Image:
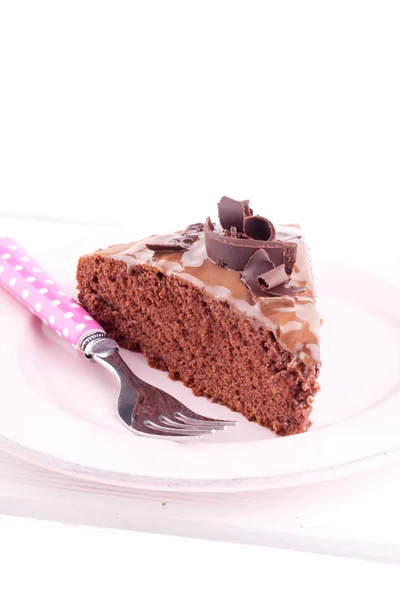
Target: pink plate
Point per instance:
(57, 408)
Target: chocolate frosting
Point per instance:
(294, 321)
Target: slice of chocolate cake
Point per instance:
(228, 308)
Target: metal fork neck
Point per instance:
(96, 343)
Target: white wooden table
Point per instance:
(357, 516)
(49, 560)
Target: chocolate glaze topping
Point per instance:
(291, 316)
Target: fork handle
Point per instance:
(25, 279)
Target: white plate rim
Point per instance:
(384, 452)
(248, 484)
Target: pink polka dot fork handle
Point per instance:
(25, 279)
(144, 409)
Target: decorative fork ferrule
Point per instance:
(96, 343)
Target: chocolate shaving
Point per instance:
(286, 290)
(181, 241)
(263, 279)
(272, 278)
(259, 228)
(258, 264)
(233, 212)
(235, 252)
(194, 228)
(209, 224)
(173, 246)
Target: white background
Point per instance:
(119, 112)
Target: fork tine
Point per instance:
(205, 420)
(175, 430)
(180, 435)
(199, 425)
(148, 410)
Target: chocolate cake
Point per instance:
(228, 308)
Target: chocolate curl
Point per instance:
(259, 228)
(172, 246)
(233, 212)
(263, 279)
(194, 228)
(181, 241)
(258, 264)
(286, 290)
(272, 278)
(235, 252)
(209, 224)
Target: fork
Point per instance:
(145, 409)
